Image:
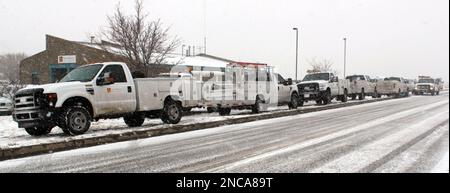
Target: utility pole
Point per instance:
(296, 52)
(345, 56)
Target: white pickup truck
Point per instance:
(322, 88)
(426, 85)
(96, 91)
(393, 86)
(361, 86)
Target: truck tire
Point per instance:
(437, 93)
(39, 131)
(353, 96)
(293, 104)
(432, 93)
(77, 120)
(172, 112)
(319, 101)
(326, 98)
(224, 111)
(257, 108)
(134, 120)
(344, 98)
(362, 95)
(211, 109)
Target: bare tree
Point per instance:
(322, 65)
(9, 66)
(142, 42)
(9, 73)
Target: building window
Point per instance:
(35, 78)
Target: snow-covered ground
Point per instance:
(12, 136)
(443, 165)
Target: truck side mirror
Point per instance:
(289, 81)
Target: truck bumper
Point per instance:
(311, 95)
(33, 118)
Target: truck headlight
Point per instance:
(51, 99)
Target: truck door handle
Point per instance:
(129, 89)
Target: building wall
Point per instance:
(39, 64)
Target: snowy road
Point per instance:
(402, 135)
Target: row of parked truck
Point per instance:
(109, 90)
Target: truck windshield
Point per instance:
(356, 77)
(393, 78)
(82, 74)
(426, 81)
(318, 76)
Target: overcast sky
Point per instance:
(385, 37)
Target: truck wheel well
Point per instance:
(171, 98)
(76, 101)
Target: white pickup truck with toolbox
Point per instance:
(322, 88)
(393, 86)
(361, 86)
(96, 91)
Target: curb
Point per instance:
(24, 151)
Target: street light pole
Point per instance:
(182, 50)
(345, 56)
(296, 52)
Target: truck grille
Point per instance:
(26, 104)
(424, 87)
(308, 87)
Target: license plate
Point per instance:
(306, 95)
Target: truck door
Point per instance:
(118, 97)
(334, 85)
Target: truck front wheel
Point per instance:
(224, 111)
(326, 98)
(344, 98)
(38, 131)
(362, 95)
(134, 120)
(172, 112)
(257, 107)
(77, 120)
(294, 101)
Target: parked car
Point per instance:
(6, 106)
(322, 88)
(361, 86)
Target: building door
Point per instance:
(57, 71)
